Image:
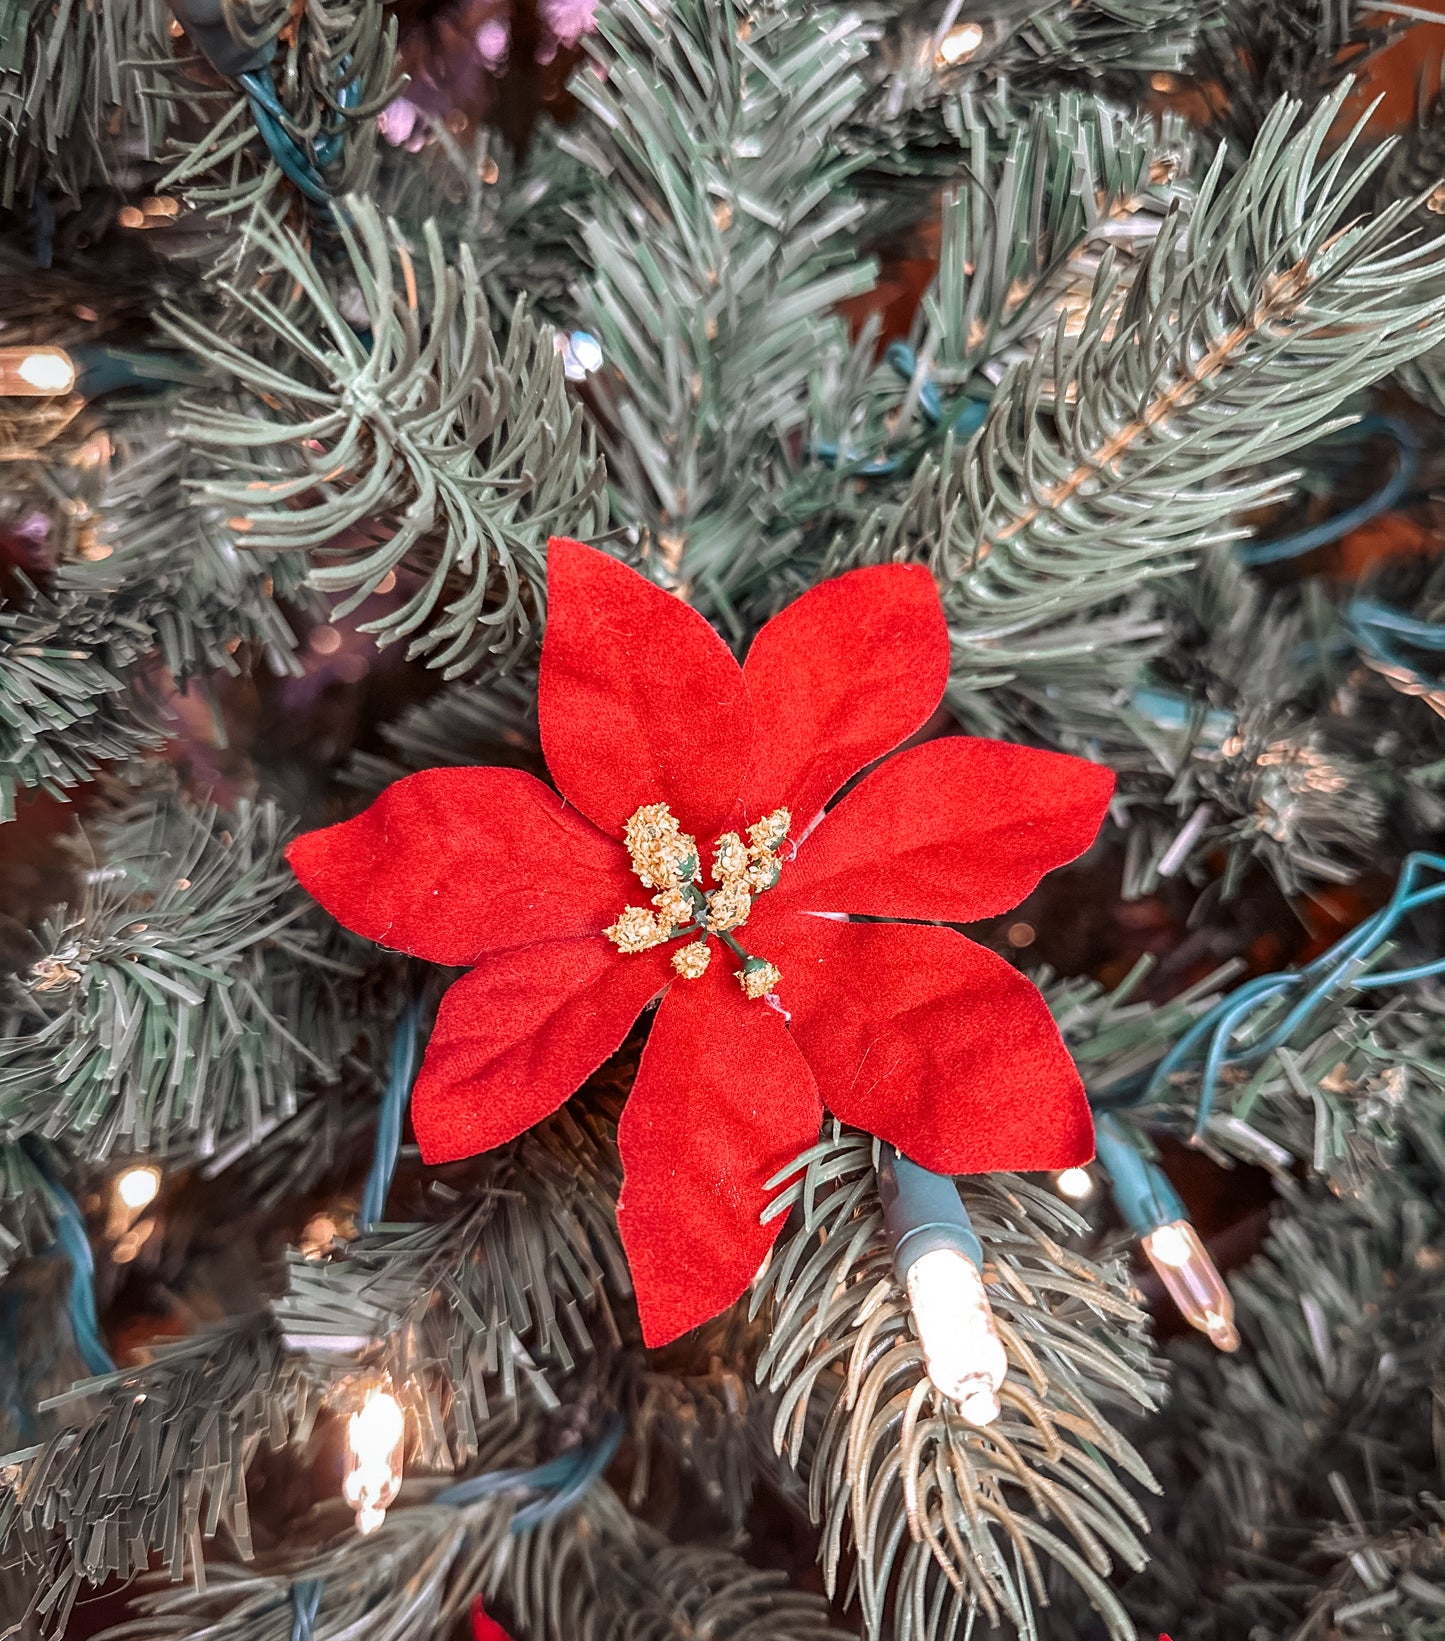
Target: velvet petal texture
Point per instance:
(519, 1034)
(452, 864)
(639, 700)
(931, 1042)
(838, 678)
(949, 832)
(723, 1100)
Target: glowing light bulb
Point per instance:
(959, 44)
(375, 1439)
(35, 373)
(1075, 1183)
(1187, 1271)
(965, 1357)
(137, 1187)
(581, 354)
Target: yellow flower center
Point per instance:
(665, 858)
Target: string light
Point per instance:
(581, 354)
(1076, 1184)
(1194, 1284)
(1153, 1211)
(959, 44)
(375, 1438)
(35, 373)
(939, 1261)
(137, 1187)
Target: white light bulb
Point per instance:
(375, 1438)
(1194, 1284)
(1075, 1183)
(959, 44)
(954, 1321)
(581, 354)
(586, 350)
(47, 370)
(137, 1187)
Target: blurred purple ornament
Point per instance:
(494, 40)
(402, 125)
(563, 23)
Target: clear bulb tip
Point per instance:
(1223, 1334)
(1193, 1281)
(980, 1407)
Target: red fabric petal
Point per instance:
(454, 863)
(722, 1102)
(484, 1628)
(840, 677)
(929, 1041)
(515, 1037)
(639, 699)
(950, 831)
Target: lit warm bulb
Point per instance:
(35, 373)
(137, 1187)
(965, 1357)
(375, 1435)
(959, 44)
(1188, 1272)
(586, 350)
(1075, 1183)
(581, 354)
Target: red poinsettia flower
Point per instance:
(811, 973)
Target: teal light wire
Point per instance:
(388, 1120)
(1334, 970)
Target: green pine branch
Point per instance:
(413, 453)
(946, 1519)
(1131, 441)
(168, 565)
(333, 72)
(62, 76)
(1044, 190)
(190, 998)
(921, 102)
(66, 705)
(720, 239)
(156, 1462)
(510, 1288)
(75, 78)
(592, 1573)
(1312, 1506)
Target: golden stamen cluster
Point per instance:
(743, 871)
(691, 960)
(636, 930)
(768, 834)
(660, 849)
(729, 858)
(728, 906)
(674, 910)
(758, 978)
(665, 858)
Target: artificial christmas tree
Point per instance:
(677, 510)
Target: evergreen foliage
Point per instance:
(328, 411)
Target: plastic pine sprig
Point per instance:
(412, 455)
